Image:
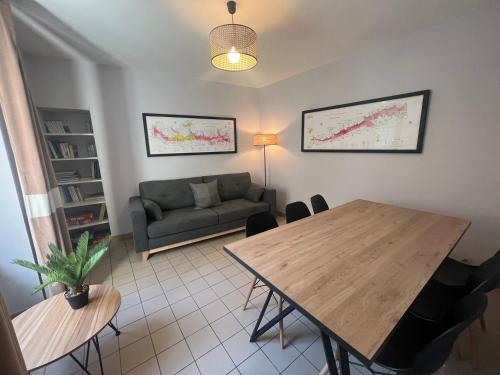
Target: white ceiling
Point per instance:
(293, 35)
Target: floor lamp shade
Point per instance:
(265, 139)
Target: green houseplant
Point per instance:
(70, 270)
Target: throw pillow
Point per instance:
(254, 193)
(206, 194)
(153, 211)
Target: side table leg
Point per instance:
(98, 350)
(117, 332)
(87, 355)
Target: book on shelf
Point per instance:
(95, 171)
(98, 236)
(68, 176)
(80, 219)
(71, 194)
(62, 150)
(102, 212)
(91, 150)
(56, 127)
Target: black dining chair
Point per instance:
(296, 211)
(437, 298)
(318, 203)
(256, 224)
(418, 346)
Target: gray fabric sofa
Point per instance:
(182, 221)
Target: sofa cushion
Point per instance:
(182, 220)
(236, 209)
(205, 194)
(254, 193)
(231, 186)
(153, 211)
(169, 194)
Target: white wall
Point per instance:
(458, 172)
(16, 283)
(117, 98)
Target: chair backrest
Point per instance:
(259, 223)
(318, 203)
(296, 211)
(486, 277)
(468, 309)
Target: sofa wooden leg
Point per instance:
(252, 285)
(145, 256)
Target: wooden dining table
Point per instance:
(353, 270)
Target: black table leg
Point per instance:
(117, 332)
(257, 332)
(330, 359)
(253, 337)
(98, 350)
(344, 361)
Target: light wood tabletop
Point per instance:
(51, 329)
(353, 270)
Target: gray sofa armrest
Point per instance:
(139, 224)
(269, 196)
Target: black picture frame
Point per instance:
(146, 134)
(421, 131)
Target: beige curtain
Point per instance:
(11, 358)
(36, 176)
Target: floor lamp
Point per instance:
(265, 140)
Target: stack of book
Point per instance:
(94, 197)
(56, 127)
(91, 151)
(71, 194)
(95, 170)
(62, 150)
(69, 176)
(80, 219)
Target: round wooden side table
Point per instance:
(51, 329)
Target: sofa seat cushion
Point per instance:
(237, 209)
(182, 220)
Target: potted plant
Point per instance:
(70, 270)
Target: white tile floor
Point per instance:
(181, 313)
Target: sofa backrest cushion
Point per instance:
(232, 185)
(170, 194)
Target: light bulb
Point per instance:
(233, 56)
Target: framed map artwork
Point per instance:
(168, 135)
(390, 124)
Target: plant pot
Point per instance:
(78, 301)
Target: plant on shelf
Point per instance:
(70, 270)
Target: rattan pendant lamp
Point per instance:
(233, 46)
